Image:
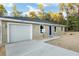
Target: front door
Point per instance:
(50, 30)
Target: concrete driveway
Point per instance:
(36, 48)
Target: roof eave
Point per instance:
(16, 20)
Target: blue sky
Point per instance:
(25, 7)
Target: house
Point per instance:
(13, 29)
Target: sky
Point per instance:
(27, 7)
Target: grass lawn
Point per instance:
(69, 40)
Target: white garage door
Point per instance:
(19, 32)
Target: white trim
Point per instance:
(1, 32)
(43, 27)
(8, 33)
(8, 40)
(31, 31)
(7, 19)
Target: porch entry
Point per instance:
(50, 30)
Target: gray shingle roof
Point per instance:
(28, 19)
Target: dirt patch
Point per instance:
(69, 40)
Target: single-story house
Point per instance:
(13, 29)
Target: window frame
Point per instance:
(41, 28)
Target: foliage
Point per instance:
(48, 16)
(2, 10)
(15, 12)
(32, 14)
(42, 13)
(72, 11)
(40, 6)
(73, 23)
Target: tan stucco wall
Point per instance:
(36, 35)
(52, 30)
(40, 36)
(63, 29)
(46, 34)
(59, 31)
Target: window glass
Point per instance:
(41, 28)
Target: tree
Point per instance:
(2, 10)
(61, 17)
(40, 15)
(15, 12)
(77, 5)
(72, 16)
(66, 7)
(55, 17)
(32, 14)
(73, 24)
(41, 7)
(48, 16)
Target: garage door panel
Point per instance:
(19, 32)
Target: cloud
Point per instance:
(35, 10)
(30, 9)
(45, 4)
(9, 13)
(7, 4)
(56, 4)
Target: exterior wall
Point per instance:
(0, 32)
(4, 32)
(36, 35)
(63, 29)
(35, 32)
(52, 30)
(41, 36)
(46, 34)
(53, 33)
(59, 31)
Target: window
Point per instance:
(41, 28)
(55, 29)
